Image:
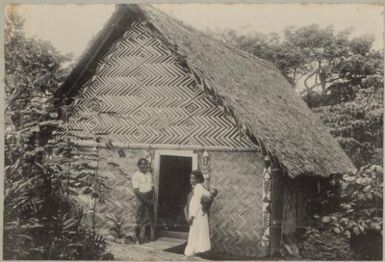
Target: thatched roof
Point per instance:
(262, 101)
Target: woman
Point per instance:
(198, 238)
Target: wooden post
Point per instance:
(156, 168)
(95, 189)
(276, 208)
(150, 158)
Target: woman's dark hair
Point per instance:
(198, 176)
(141, 160)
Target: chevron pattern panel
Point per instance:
(236, 224)
(140, 94)
(121, 199)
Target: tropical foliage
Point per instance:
(351, 208)
(358, 124)
(361, 202)
(41, 219)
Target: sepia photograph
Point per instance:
(194, 131)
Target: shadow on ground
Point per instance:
(211, 255)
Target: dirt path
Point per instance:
(143, 253)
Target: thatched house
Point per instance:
(150, 86)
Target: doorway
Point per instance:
(174, 186)
(173, 169)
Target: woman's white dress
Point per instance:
(198, 238)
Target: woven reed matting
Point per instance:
(236, 214)
(140, 94)
(235, 217)
(121, 199)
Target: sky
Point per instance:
(70, 27)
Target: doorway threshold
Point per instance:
(164, 243)
(174, 234)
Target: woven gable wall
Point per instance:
(140, 94)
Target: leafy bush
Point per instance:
(358, 124)
(324, 245)
(361, 203)
(357, 218)
(41, 219)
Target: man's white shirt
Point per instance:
(141, 181)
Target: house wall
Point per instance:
(121, 199)
(236, 215)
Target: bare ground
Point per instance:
(143, 253)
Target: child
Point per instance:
(207, 201)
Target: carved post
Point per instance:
(206, 168)
(266, 207)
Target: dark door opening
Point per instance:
(174, 187)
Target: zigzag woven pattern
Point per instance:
(236, 224)
(121, 199)
(140, 94)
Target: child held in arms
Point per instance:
(207, 200)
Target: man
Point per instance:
(144, 191)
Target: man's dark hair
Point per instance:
(198, 176)
(141, 160)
